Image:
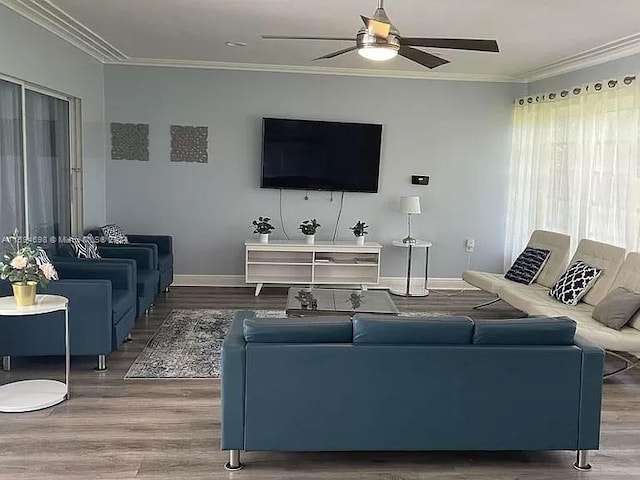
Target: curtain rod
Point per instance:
(576, 91)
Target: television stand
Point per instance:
(292, 262)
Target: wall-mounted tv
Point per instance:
(316, 155)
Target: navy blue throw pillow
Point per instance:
(528, 265)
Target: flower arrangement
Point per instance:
(262, 226)
(21, 264)
(359, 229)
(309, 227)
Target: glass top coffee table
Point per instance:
(321, 301)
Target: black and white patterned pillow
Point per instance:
(114, 234)
(84, 247)
(575, 283)
(42, 258)
(528, 265)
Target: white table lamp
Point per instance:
(409, 206)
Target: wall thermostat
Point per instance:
(420, 179)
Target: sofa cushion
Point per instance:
(617, 308)
(412, 330)
(558, 244)
(525, 331)
(84, 247)
(489, 282)
(607, 258)
(575, 283)
(114, 234)
(528, 265)
(298, 330)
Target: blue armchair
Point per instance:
(147, 274)
(102, 312)
(165, 256)
(160, 245)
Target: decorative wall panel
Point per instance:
(130, 141)
(189, 144)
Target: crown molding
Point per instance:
(615, 50)
(46, 15)
(352, 72)
(55, 20)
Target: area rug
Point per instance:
(188, 344)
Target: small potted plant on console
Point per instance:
(263, 228)
(359, 230)
(309, 228)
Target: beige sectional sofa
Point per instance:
(618, 271)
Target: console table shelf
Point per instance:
(321, 263)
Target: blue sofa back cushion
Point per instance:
(412, 330)
(298, 330)
(525, 331)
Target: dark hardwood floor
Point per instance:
(113, 428)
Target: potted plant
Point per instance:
(22, 266)
(263, 228)
(309, 228)
(359, 230)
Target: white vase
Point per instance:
(360, 240)
(311, 239)
(263, 238)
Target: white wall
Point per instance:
(459, 133)
(30, 53)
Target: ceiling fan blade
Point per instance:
(376, 27)
(335, 54)
(452, 43)
(423, 58)
(295, 37)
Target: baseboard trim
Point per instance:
(385, 282)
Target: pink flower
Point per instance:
(19, 262)
(48, 271)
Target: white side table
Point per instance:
(408, 291)
(30, 395)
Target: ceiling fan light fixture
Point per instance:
(378, 53)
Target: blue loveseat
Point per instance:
(336, 384)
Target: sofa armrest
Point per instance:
(121, 272)
(90, 308)
(232, 384)
(590, 394)
(142, 256)
(164, 242)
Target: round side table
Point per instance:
(408, 291)
(30, 395)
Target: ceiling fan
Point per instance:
(380, 40)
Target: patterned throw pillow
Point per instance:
(528, 265)
(84, 247)
(42, 258)
(114, 234)
(575, 283)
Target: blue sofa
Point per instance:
(102, 312)
(335, 384)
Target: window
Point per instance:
(36, 174)
(575, 168)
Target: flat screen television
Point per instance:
(316, 155)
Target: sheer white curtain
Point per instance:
(574, 167)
